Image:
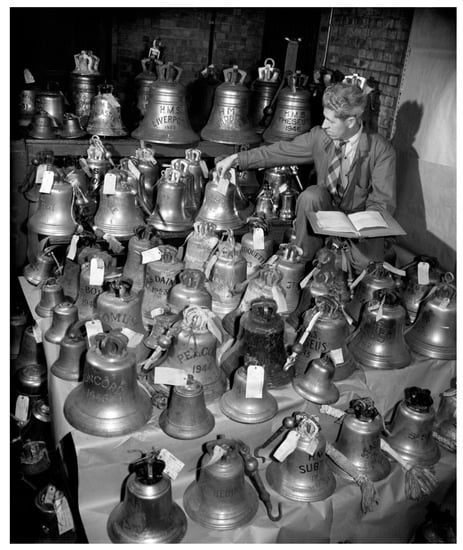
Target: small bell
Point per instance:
(64, 315)
(71, 127)
(445, 425)
(42, 126)
(105, 114)
(71, 359)
(189, 292)
(316, 385)
(41, 268)
(51, 295)
(31, 352)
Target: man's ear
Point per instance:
(350, 121)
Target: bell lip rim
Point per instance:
(333, 392)
(409, 457)
(58, 371)
(251, 419)
(166, 426)
(337, 470)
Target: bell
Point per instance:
(293, 270)
(41, 126)
(171, 212)
(304, 475)
(379, 340)
(51, 101)
(198, 169)
(64, 315)
(26, 106)
(433, 334)
(288, 205)
(105, 114)
(200, 96)
(71, 359)
(262, 91)
(31, 380)
(18, 320)
(248, 410)
(34, 458)
(276, 178)
(148, 513)
(144, 82)
(292, 113)
(98, 161)
(41, 268)
(251, 246)
(411, 428)
(187, 181)
(71, 127)
(30, 351)
(359, 440)
(83, 83)
(445, 424)
(248, 183)
(229, 121)
(39, 426)
(316, 385)
(200, 245)
(50, 296)
(265, 206)
(150, 173)
(109, 401)
(186, 416)
(422, 275)
(189, 292)
(145, 238)
(219, 208)
(166, 119)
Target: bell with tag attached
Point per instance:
(71, 359)
(109, 401)
(411, 428)
(41, 268)
(166, 118)
(200, 245)
(292, 269)
(105, 114)
(144, 239)
(251, 250)
(316, 385)
(379, 340)
(433, 334)
(148, 513)
(84, 79)
(41, 126)
(359, 440)
(445, 424)
(229, 121)
(186, 416)
(190, 291)
(221, 498)
(262, 91)
(150, 173)
(64, 315)
(50, 296)
(292, 113)
(97, 163)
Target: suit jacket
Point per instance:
(371, 178)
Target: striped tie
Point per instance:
(333, 178)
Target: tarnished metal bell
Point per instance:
(18, 321)
(109, 401)
(144, 82)
(41, 268)
(358, 440)
(30, 351)
(200, 245)
(198, 169)
(64, 315)
(51, 100)
(292, 268)
(190, 291)
(186, 416)
(71, 359)
(105, 114)
(41, 126)
(433, 334)
(411, 428)
(147, 513)
(255, 249)
(445, 424)
(422, 274)
(166, 118)
(50, 296)
(83, 82)
(71, 127)
(150, 173)
(379, 340)
(265, 205)
(262, 91)
(229, 121)
(316, 385)
(31, 380)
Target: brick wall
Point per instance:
(369, 42)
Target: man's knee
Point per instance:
(314, 198)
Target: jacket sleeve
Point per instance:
(382, 195)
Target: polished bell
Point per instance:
(166, 118)
(190, 291)
(411, 428)
(316, 385)
(292, 269)
(359, 440)
(247, 410)
(147, 513)
(265, 205)
(253, 250)
(150, 173)
(50, 296)
(433, 334)
(445, 424)
(71, 127)
(64, 315)
(379, 340)
(30, 352)
(198, 169)
(186, 416)
(229, 121)
(109, 401)
(41, 126)
(41, 268)
(105, 115)
(71, 359)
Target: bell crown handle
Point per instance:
(181, 165)
(363, 408)
(168, 253)
(172, 175)
(193, 155)
(192, 278)
(229, 75)
(148, 468)
(418, 399)
(170, 72)
(265, 308)
(112, 343)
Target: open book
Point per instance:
(369, 223)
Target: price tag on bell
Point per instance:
(39, 173)
(258, 238)
(50, 494)
(157, 311)
(273, 258)
(423, 273)
(84, 165)
(393, 269)
(254, 381)
(336, 356)
(73, 247)
(210, 264)
(63, 514)
(170, 376)
(96, 272)
(151, 255)
(93, 328)
(222, 186)
(306, 279)
(135, 338)
(37, 332)
(204, 168)
(109, 185)
(133, 169)
(357, 280)
(21, 409)
(278, 296)
(288, 445)
(47, 181)
(173, 465)
(283, 188)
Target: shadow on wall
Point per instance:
(411, 208)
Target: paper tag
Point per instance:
(37, 331)
(306, 279)
(379, 312)
(73, 247)
(311, 446)
(232, 176)
(84, 165)
(258, 238)
(173, 465)
(63, 515)
(423, 273)
(344, 265)
(217, 454)
(50, 495)
(287, 446)
(93, 328)
(28, 78)
(109, 185)
(358, 279)
(170, 376)
(132, 168)
(151, 255)
(254, 381)
(278, 296)
(96, 271)
(283, 188)
(393, 269)
(310, 326)
(222, 186)
(204, 168)
(39, 173)
(445, 302)
(347, 316)
(21, 410)
(208, 267)
(213, 328)
(157, 311)
(47, 181)
(272, 259)
(134, 337)
(336, 356)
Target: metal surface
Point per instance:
(51, 295)
(316, 385)
(190, 291)
(64, 315)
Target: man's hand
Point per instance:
(226, 163)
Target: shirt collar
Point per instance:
(353, 140)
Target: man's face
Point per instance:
(337, 128)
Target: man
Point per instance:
(355, 169)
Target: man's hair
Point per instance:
(345, 100)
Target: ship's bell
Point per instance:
(71, 359)
(316, 385)
(166, 118)
(433, 334)
(41, 268)
(50, 296)
(64, 315)
(262, 91)
(148, 513)
(265, 205)
(30, 351)
(150, 173)
(200, 245)
(445, 424)
(359, 440)
(109, 401)
(379, 340)
(198, 169)
(186, 416)
(41, 126)
(189, 292)
(71, 127)
(411, 428)
(105, 114)
(292, 269)
(251, 248)
(229, 121)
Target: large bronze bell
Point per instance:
(445, 424)
(109, 401)
(186, 416)
(105, 114)
(359, 440)
(148, 513)
(316, 385)
(292, 112)
(190, 291)
(262, 91)
(411, 428)
(71, 359)
(50, 296)
(41, 268)
(166, 118)
(379, 340)
(433, 334)
(229, 121)
(41, 126)
(64, 315)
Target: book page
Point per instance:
(367, 219)
(334, 221)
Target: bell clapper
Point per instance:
(288, 423)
